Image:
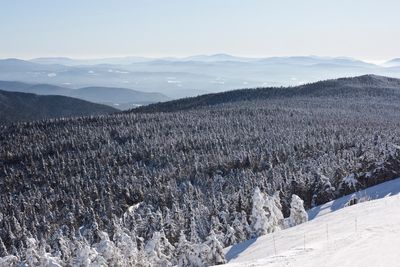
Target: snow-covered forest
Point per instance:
(175, 188)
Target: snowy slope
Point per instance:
(374, 192)
(366, 234)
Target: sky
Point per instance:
(365, 29)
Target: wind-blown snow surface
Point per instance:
(366, 234)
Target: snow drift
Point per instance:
(366, 234)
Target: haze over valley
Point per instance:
(190, 76)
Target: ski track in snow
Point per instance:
(365, 234)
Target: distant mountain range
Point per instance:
(77, 62)
(393, 63)
(221, 57)
(361, 86)
(121, 98)
(189, 76)
(16, 106)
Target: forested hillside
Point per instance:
(175, 187)
(361, 86)
(16, 106)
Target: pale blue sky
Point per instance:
(367, 29)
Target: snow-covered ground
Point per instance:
(374, 192)
(366, 234)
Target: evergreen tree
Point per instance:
(186, 253)
(259, 216)
(230, 236)
(215, 253)
(275, 212)
(238, 228)
(107, 252)
(298, 214)
(194, 237)
(126, 244)
(155, 251)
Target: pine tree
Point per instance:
(37, 256)
(84, 254)
(154, 249)
(3, 249)
(194, 237)
(187, 254)
(126, 245)
(275, 212)
(230, 236)
(182, 251)
(167, 248)
(9, 260)
(323, 190)
(258, 218)
(238, 227)
(298, 214)
(107, 251)
(215, 254)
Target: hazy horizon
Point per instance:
(381, 61)
(366, 30)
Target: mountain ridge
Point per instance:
(111, 95)
(17, 106)
(183, 77)
(369, 85)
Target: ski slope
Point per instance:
(365, 234)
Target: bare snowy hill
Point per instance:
(345, 237)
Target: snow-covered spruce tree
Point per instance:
(273, 204)
(62, 246)
(217, 228)
(215, 254)
(170, 226)
(37, 256)
(107, 252)
(266, 216)
(194, 237)
(84, 255)
(167, 248)
(259, 217)
(239, 228)
(323, 190)
(230, 236)
(298, 214)
(186, 253)
(3, 249)
(9, 261)
(245, 224)
(126, 244)
(154, 251)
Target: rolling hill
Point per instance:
(116, 97)
(15, 106)
(366, 85)
(190, 76)
(393, 63)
